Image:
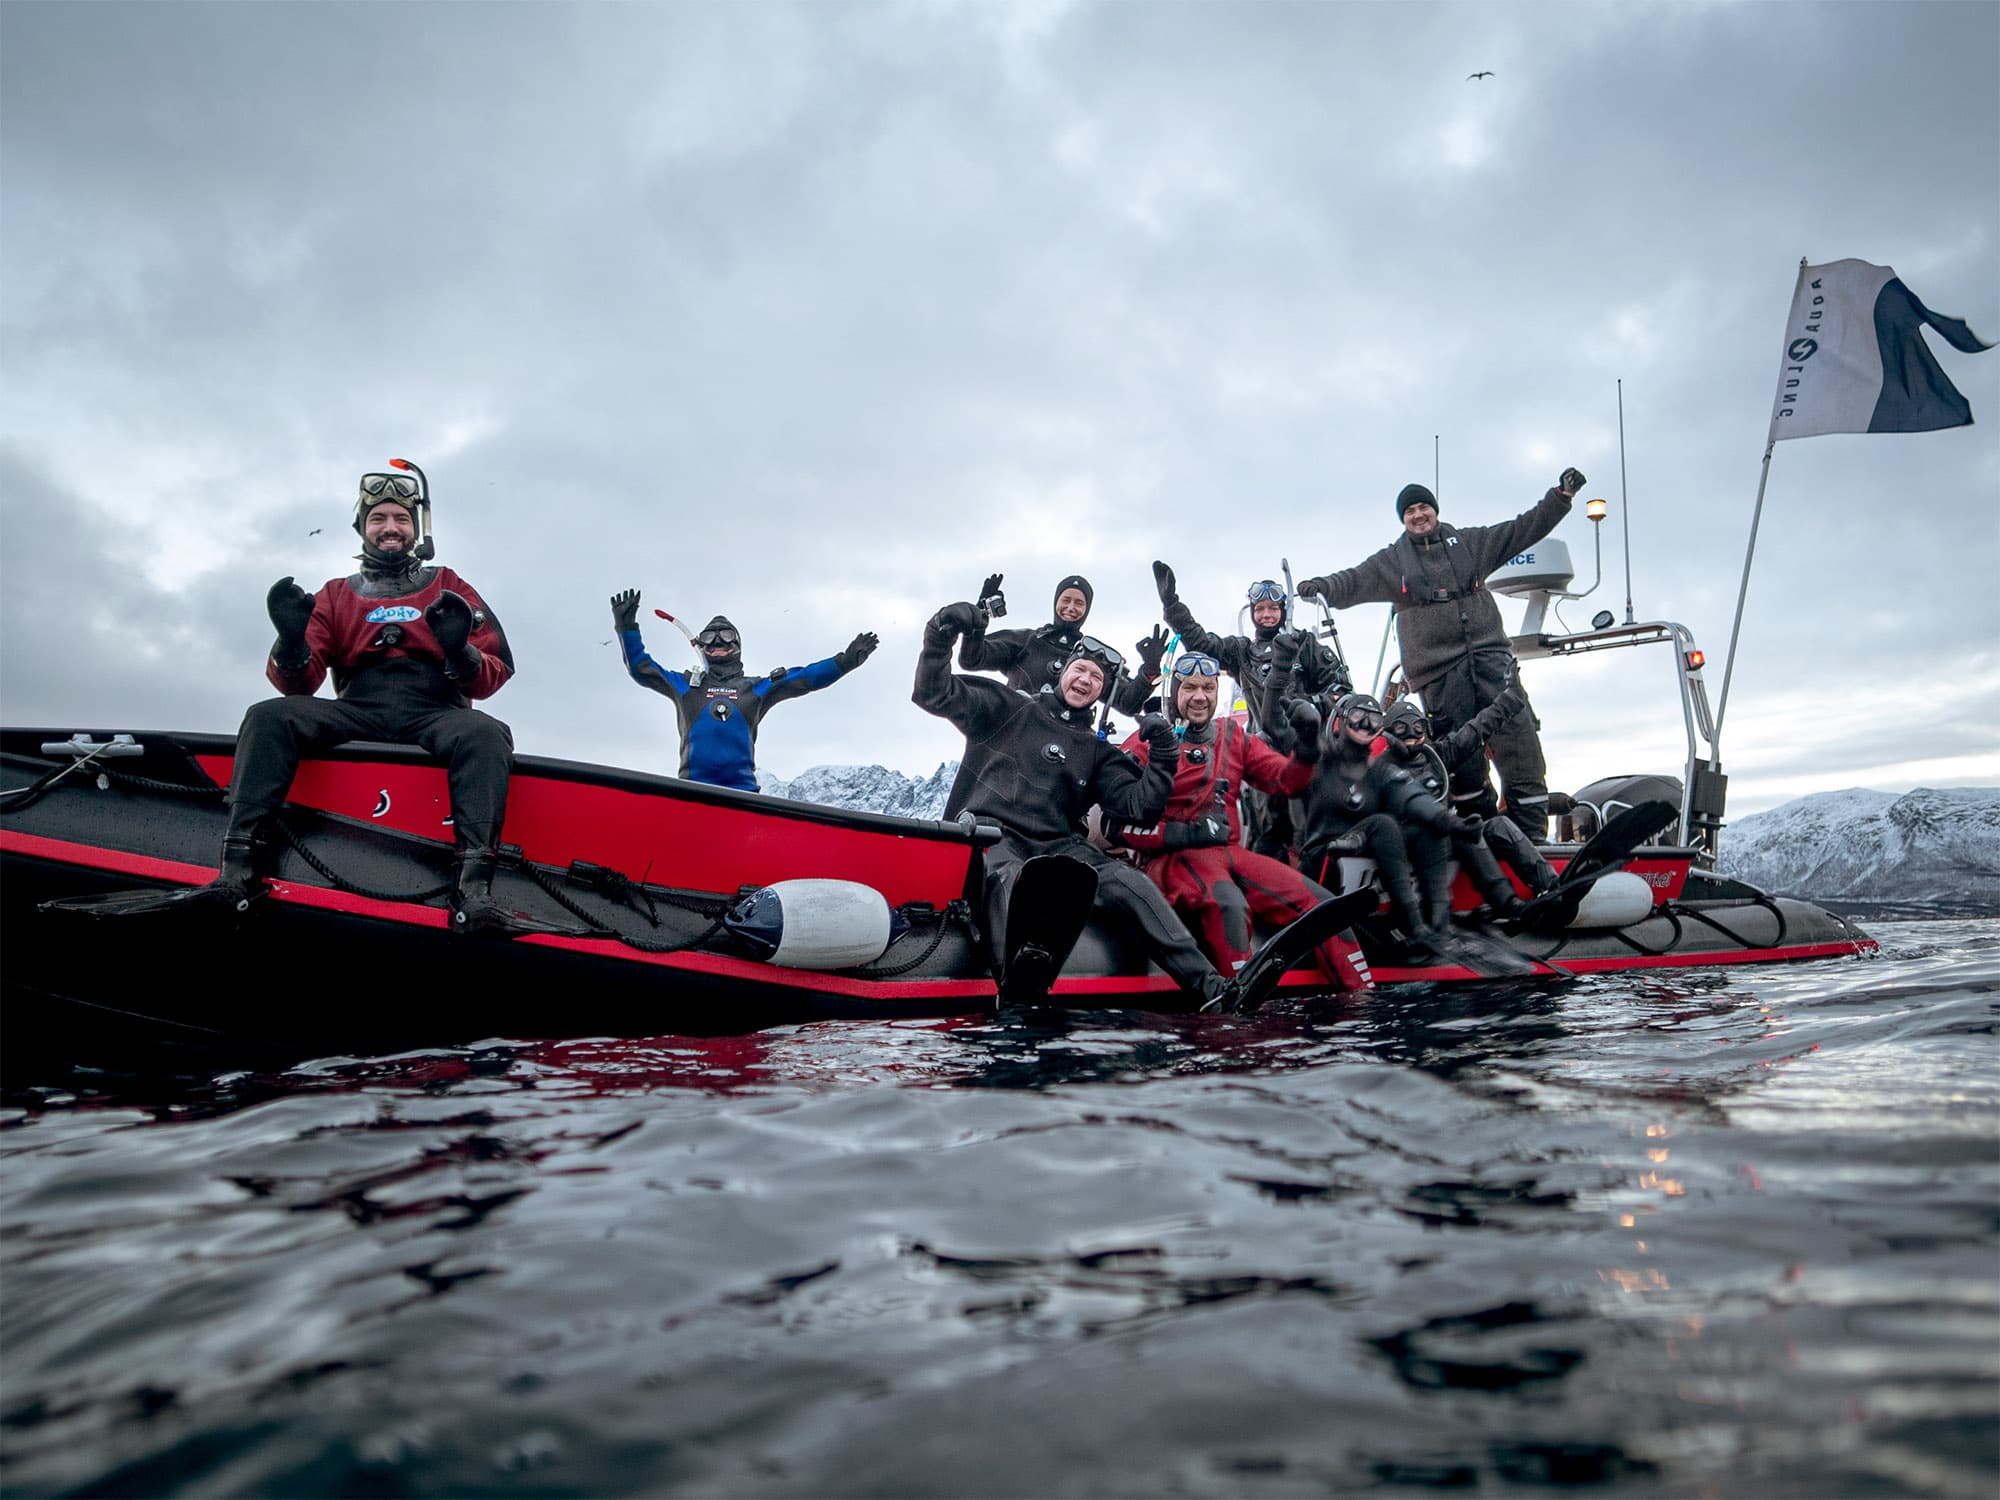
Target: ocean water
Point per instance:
(1728, 1234)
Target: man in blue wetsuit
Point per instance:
(720, 708)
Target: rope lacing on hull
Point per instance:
(613, 885)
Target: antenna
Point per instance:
(1624, 503)
(1434, 466)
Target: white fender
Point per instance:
(1615, 900)
(815, 924)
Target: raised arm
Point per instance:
(974, 704)
(642, 668)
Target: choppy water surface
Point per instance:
(1728, 1234)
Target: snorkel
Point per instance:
(425, 548)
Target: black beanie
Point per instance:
(1082, 585)
(1413, 494)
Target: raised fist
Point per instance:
(1571, 481)
(290, 608)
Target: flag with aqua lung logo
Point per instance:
(1856, 360)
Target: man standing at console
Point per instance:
(1454, 647)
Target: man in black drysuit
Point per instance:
(1031, 660)
(1034, 765)
(1454, 647)
(1267, 820)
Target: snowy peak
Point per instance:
(1932, 846)
(868, 789)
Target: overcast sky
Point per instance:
(815, 314)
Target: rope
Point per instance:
(954, 911)
(1736, 937)
(354, 887)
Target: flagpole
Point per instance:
(1742, 589)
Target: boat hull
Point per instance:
(337, 957)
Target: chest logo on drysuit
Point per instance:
(1197, 755)
(721, 708)
(1054, 754)
(383, 612)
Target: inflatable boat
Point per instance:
(690, 909)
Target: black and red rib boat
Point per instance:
(350, 947)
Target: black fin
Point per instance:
(489, 919)
(1293, 944)
(1046, 914)
(1609, 849)
(187, 898)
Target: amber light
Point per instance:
(1595, 509)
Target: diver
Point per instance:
(720, 709)
(1193, 853)
(1454, 646)
(1031, 660)
(408, 647)
(1035, 766)
(1359, 803)
(1407, 740)
(1251, 660)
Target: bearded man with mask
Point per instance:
(409, 647)
(1194, 854)
(719, 708)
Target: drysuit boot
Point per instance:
(1507, 842)
(474, 912)
(1502, 900)
(1399, 884)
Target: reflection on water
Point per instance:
(1719, 1234)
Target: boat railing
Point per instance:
(1704, 787)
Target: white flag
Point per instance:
(1856, 361)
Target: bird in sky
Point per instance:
(1483, 73)
(315, 531)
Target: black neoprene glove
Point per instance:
(625, 610)
(951, 622)
(1159, 735)
(858, 650)
(1151, 649)
(1210, 831)
(1305, 719)
(450, 620)
(1285, 648)
(1312, 588)
(1571, 481)
(994, 602)
(1163, 579)
(290, 608)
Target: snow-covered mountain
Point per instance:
(1933, 847)
(867, 789)
(1930, 847)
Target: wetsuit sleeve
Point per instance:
(796, 682)
(992, 651)
(1129, 693)
(1483, 725)
(1227, 649)
(963, 701)
(1376, 580)
(1149, 838)
(1137, 793)
(1407, 801)
(644, 670)
(1269, 770)
(496, 657)
(1493, 545)
(319, 650)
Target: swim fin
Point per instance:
(220, 897)
(1291, 946)
(1046, 914)
(1611, 848)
